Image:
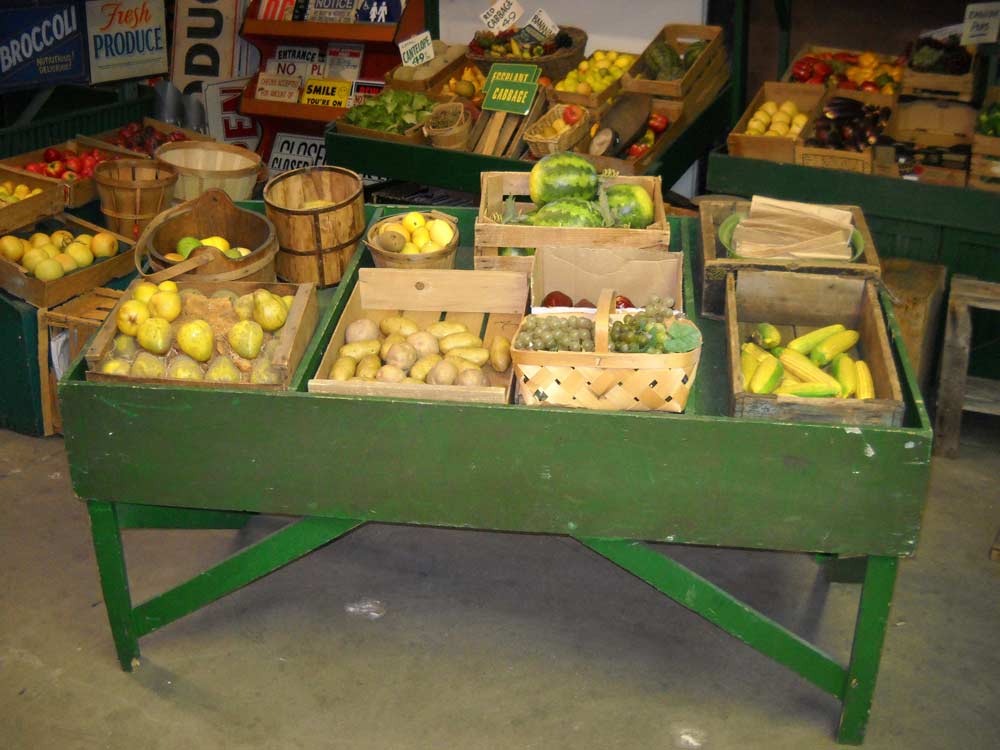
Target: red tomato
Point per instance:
(637, 149)
(544, 81)
(55, 169)
(572, 114)
(847, 84)
(822, 69)
(817, 79)
(657, 122)
(869, 86)
(622, 301)
(557, 299)
(52, 154)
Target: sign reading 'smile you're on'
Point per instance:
(511, 88)
(128, 39)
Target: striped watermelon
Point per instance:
(568, 212)
(631, 206)
(562, 175)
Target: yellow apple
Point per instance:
(104, 245)
(143, 291)
(11, 248)
(131, 315)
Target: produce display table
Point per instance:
(459, 170)
(612, 480)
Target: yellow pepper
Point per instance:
(867, 60)
(888, 89)
(896, 73)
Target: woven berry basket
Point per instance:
(564, 141)
(605, 380)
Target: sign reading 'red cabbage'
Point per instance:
(41, 46)
(128, 39)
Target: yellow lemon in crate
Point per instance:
(413, 221)
(440, 231)
(410, 249)
(420, 236)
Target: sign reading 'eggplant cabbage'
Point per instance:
(128, 39)
(511, 88)
(41, 46)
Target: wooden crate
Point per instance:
(712, 265)
(590, 102)
(918, 291)
(100, 140)
(782, 149)
(674, 110)
(985, 162)
(488, 304)
(293, 336)
(693, 78)
(843, 159)
(491, 235)
(29, 210)
(15, 280)
(77, 193)
(414, 135)
(81, 317)
(941, 85)
(819, 49)
(502, 134)
(456, 66)
(933, 123)
(797, 303)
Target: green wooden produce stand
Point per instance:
(614, 481)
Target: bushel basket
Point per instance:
(605, 380)
(555, 66)
(133, 192)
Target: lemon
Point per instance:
(763, 115)
(215, 241)
(755, 128)
(781, 116)
(780, 127)
(410, 249)
(167, 286)
(441, 232)
(598, 56)
(769, 107)
(38, 239)
(413, 221)
(395, 226)
(430, 247)
(789, 107)
(420, 236)
(612, 56)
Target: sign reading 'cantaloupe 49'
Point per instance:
(127, 39)
(41, 46)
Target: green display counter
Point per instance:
(613, 481)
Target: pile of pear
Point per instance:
(165, 333)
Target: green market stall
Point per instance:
(614, 481)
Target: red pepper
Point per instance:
(802, 70)
(557, 299)
(820, 79)
(584, 302)
(622, 301)
(869, 86)
(847, 84)
(822, 69)
(825, 55)
(657, 122)
(636, 150)
(847, 57)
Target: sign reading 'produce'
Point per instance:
(128, 39)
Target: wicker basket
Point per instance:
(555, 66)
(212, 213)
(542, 146)
(454, 136)
(316, 243)
(443, 258)
(133, 192)
(603, 380)
(202, 165)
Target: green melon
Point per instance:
(631, 206)
(568, 212)
(562, 175)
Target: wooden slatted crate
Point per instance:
(679, 36)
(781, 149)
(984, 169)
(29, 210)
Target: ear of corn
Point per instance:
(755, 350)
(846, 373)
(803, 369)
(809, 390)
(748, 365)
(809, 341)
(866, 388)
(767, 376)
(766, 335)
(824, 352)
(789, 378)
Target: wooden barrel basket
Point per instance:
(316, 242)
(203, 165)
(212, 214)
(443, 258)
(133, 192)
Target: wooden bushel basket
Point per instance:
(605, 380)
(316, 243)
(443, 258)
(455, 136)
(555, 66)
(203, 165)
(214, 213)
(133, 192)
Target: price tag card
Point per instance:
(273, 87)
(417, 49)
(982, 22)
(327, 92)
(502, 15)
(541, 21)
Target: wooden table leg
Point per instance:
(866, 652)
(106, 533)
(951, 388)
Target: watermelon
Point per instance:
(631, 206)
(568, 212)
(562, 175)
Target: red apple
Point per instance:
(51, 154)
(87, 161)
(73, 164)
(55, 169)
(34, 167)
(69, 176)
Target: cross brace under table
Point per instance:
(853, 685)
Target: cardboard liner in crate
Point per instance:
(604, 380)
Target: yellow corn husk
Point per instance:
(748, 365)
(767, 376)
(802, 368)
(766, 336)
(809, 341)
(866, 388)
(845, 371)
(809, 390)
(824, 352)
(755, 350)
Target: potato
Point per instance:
(390, 374)
(445, 328)
(402, 356)
(368, 366)
(457, 340)
(477, 355)
(361, 329)
(423, 366)
(344, 368)
(472, 377)
(360, 349)
(388, 341)
(461, 364)
(443, 373)
(424, 343)
(398, 324)
(500, 353)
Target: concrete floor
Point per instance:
(487, 641)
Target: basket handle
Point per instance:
(170, 272)
(605, 304)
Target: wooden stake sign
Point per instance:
(511, 88)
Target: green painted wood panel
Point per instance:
(905, 239)
(20, 390)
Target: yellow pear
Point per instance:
(80, 253)
(154, 335)
(262, 372)
(184, 368)
(222, 370)
(11, 247)
(144, 290)
(131, 315)
(195, 338)
(114, 366)
(22, 191)
(246, 338)
(288, 299)
(167, 286)
(49, 270)
(123, 346)
(243, 306)
(147, 365)
(268, 310)
(166, 305)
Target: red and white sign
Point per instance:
(127, 39)
(277, 88)
(225, 123)
(343, 61)
(296, 69)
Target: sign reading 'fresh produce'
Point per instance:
(127, 39)
(41, 46)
